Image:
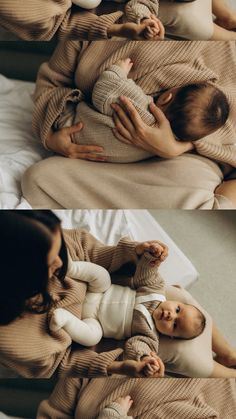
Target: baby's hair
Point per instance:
(209, 113)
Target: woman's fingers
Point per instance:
(85, 152)
(120, 117)
(74, 128)
(120, 137)
(132, 112)
(158, 114)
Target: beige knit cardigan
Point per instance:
(40, 20)
(75, 67)
(153, 398)
(31, 350)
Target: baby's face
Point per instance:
(176, 319)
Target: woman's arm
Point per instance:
(32, 22)
(62, 402)
(158, 140)
(55, 87)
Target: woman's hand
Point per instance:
(137, 31)
(155, 368)
(159, 140)
(61, 143)
(131, 368)
(155, 248)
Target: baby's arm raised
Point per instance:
(112, 83)
(147, 278)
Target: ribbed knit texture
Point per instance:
(136, 10)
(98, 122)
(34, 20)
(27, 346)
(113, 410)
(146, 280)
(153, 398)
(40, 20)
(75, 67)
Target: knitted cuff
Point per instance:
(115, 68)
(114, 410)
(101, 25)
(102, 361)
(58, 104)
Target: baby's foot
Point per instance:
(125, 64)
(58, 319)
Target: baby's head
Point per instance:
(179, 320)
(194, 111)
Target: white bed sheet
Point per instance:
(18, 147)
(110, 225)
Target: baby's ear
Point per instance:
(165, 98)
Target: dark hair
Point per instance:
(25, 240)
(211, 115)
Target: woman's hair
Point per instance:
(25, 240)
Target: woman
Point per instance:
(34, 267)
(193, 20)
(187, 181)
(34, 262)
(192, 399)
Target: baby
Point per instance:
(194, 111)
(136, 11)
(139, 312)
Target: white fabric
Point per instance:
(110, 225)
(114, 310)
(150, 297)
(147, 315)
(97, 277)
(18, 148)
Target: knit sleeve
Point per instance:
(113, 83)
(31, 21)
(147, 279)
(62, 402)
(55, 88)
(136, 10)
(225, 153)
(83, 246)
(140, 345)
(113, 410)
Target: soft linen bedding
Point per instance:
(18, 147)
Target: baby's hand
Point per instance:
(156, 248)
(154, 29)
(126, 65)
(154, 367)
(125, 402)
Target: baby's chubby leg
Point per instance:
(97, 277)
(87, 332)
